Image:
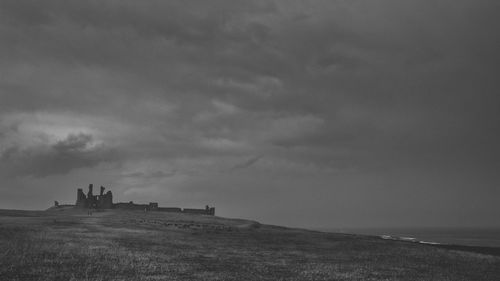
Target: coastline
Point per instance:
(487, 250)
(416, 235)
(467, 236)
(493, 251)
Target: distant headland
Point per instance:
(105, 201)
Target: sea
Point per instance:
(484, 237)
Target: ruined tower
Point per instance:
(81, 199)
(89, 194)
(91, 198)
(105, 201)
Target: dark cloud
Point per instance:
(75, 151)
(247, 163)
(330, 92)
(156, 174)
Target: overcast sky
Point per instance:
(319, 113)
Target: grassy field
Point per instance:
(130, 245)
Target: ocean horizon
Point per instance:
(466, 236)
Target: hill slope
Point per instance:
(130, 245)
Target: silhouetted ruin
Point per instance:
(91, 201)
(105, 201)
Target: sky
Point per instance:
(334, 114)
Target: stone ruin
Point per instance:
(91, 201)
(105, 201)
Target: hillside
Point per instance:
(133, 245)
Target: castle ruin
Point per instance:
(105, 201)
(91, 201)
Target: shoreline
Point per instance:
(487, 250)
(493, 251)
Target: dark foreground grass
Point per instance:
(159, 246)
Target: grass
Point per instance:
(127, 245)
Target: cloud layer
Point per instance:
(309, 104)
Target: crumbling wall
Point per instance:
(170, 209)
(131, 206)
